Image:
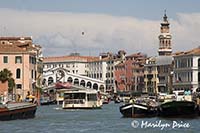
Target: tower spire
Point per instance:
(165, 37)
(165, 16)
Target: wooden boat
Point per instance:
(22, 110)
(178, 109)
(139, 107)
(180, 106)
(136, 110)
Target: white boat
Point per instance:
(81, 99)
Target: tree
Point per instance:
(11, 85)
(6, 75)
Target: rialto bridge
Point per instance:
(52, 76)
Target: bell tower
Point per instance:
(165, 37)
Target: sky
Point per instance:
(90, 27)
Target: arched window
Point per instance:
(18, 73)
(50, 80)
(82, 83)
(95, 86)
(44, 82)
(76, 81)
(89, 84)
(70, 80)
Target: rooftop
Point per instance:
(69, 58)
(195, 51)
(15, 38)
(11, 49)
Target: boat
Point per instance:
(117, 99)
(17, 110)
(47, 101)
(179, 105)
(139, 109)
(81, 99)
(105, 98)
(178, 109)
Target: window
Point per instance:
(100, 75)
(5, 59)
(32, 74)
(19, 86)
(18, 73)
(91, 97)
(35, 74)
(18, 59)
(32, 60)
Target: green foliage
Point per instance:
(6, 75)
(11, 84)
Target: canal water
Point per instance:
(53, 119)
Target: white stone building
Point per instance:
(100, 68)
(74, 64)
(187, 70)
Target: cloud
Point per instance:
(61, 33)
(186, 31)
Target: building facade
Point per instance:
(187, 70)
(20, 56)
(112, 61)
(151, 75)
(73, 63)
(129, 75)
(97, 68)
(158, 74)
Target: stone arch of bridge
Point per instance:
(55, 74)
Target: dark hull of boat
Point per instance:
(105, 102)
(18, 113)
(137, 110)
(178, 109)
(117, 101)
